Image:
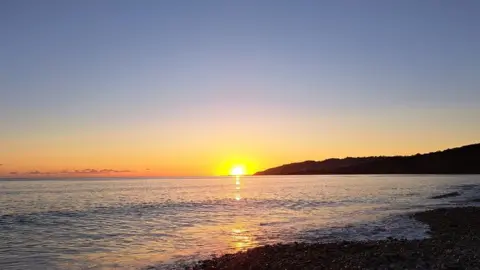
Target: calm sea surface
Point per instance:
(138, 223)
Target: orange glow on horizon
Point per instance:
(85, 162)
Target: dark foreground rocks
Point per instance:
(447, 195)
(454, 244)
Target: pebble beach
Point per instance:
(453, 243)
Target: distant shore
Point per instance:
(454, 244)
(460, 160)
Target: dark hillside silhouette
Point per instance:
(461, 160)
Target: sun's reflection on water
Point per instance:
(237, 187)
(241, 239)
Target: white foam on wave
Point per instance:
(394, 226)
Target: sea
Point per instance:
(168, 223)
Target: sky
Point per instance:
(143, 88)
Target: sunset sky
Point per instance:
(139, 88)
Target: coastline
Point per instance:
(454, 243)
(459, 160)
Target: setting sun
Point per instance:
(237, 170)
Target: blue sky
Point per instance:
(327, 69)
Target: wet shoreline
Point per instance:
(454, 243)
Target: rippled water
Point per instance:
(137, 223)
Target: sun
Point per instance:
(237, 171)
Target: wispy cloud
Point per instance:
(76, 172)
(13, 173)
(94, 171)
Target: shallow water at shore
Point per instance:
(134, 223)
